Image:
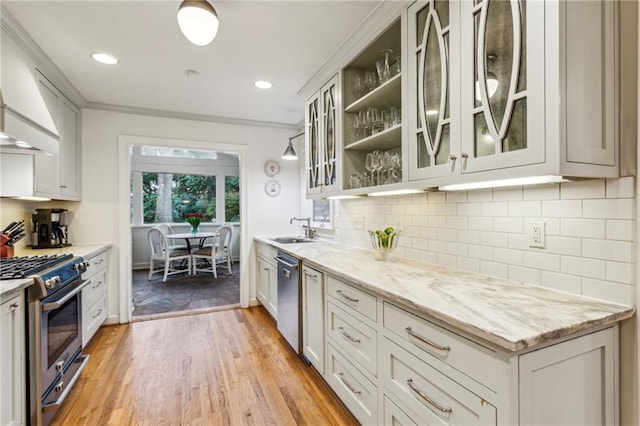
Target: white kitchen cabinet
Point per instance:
(12, 362)
(267, 278)
(323, 140)
(313, 337)
(554, 389)
(501, 89)
(95, 295)
(59, 177)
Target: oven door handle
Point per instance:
(55, 405)
(58, 303)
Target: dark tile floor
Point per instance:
(184, 292)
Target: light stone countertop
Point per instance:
(509, 314)
(11, 288)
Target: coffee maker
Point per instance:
(50, 228)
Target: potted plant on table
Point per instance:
(194, 220)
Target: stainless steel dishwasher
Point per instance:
(289, 299)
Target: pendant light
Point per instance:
(290, 153)
(492, 80)
(198, 21)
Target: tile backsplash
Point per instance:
(589, 228)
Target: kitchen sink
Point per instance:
(291, 240)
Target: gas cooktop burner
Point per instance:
(24, 266)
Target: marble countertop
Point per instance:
(509, 314)
(11, 288)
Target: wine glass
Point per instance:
(377, 164)
(370, 164)
(380, 71)
(395, 68)
(357, 126)
(370, 80)
(358, 85)
(395, 115)
(365, 124)
(373, 115)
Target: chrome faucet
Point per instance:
(308, 232)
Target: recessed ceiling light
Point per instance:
(104, 58)
(261, 84)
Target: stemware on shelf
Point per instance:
(395, 68)
(358, 85)
(370, 165)
(377, 164)
(357, 126)
(385, 75)
(370, 81)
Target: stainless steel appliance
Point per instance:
(54, 322)
(289, 299)
(50, 228)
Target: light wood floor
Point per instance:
(229, 367)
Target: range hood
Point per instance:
(26, 105)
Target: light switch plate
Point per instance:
(358, 222)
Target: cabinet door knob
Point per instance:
(14, 306)
(453, 157)
(464, 155)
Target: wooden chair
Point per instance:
(165, 257)
(219, 252)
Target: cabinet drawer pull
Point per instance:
(351, 388)
(14, 306)
(99, 261)
(304, 271)
(97, 314)
(267, 269)
(345, 334)
(428, 342)
(97, 285)
(350, 299)
(426, 398)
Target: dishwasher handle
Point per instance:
(285, 263)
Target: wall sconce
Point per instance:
(198, 21)
(289, 152)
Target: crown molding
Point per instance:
(12, 28)
(188, 116)
(383, 15)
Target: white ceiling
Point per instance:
(284, 42)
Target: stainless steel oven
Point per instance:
(54, 321)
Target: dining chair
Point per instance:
(228, 246)
(166, 230)
(165, 257)
(219, 252)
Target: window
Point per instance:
(321, 213)
(167, 197)
(232, 199)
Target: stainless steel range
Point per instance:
(54, 321)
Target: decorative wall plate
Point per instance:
(271, 168)
(272, 188)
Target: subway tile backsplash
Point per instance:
(589, 228)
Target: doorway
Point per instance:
(170, 298)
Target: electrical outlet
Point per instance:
(536, 234)
(358, 222)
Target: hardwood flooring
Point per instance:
(220, 368)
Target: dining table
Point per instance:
(188, 236)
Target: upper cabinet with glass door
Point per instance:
(372, 92)
(323, 140)
(511, 88)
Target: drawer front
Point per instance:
(353, 337)
(431, 395)
(352, 298)
(92, 318)
(95, 263)
(267, 252)
(357, 393)
(477, 362)
(97, 288)
(394, 416)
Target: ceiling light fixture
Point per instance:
(198, 21)
(262, 84)
(290, 153)
(104, 58)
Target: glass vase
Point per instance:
(194, 229)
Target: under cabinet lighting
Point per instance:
(343, 197)
(395, 192)
(27, 198)
(532, 180)
(23, 144)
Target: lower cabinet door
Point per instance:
(313, 337)
(357, 392)
(436, 398)
(92, 318)
(394, 416)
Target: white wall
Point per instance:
(589, 233)
(95, 219)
